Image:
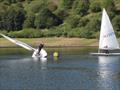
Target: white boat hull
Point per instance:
(105, 54)
(42, 53)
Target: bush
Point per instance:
(116, 23)
(64, 29)
(86, 33)
(37, 5)
(62, 13)
(61, 30)
(108, 4)
(81, 7)
(94, 22)
(81, 33)
(46, 19)
(73, 20)
(83, 22)
(118, 34)
(96, 35)
(29, 22)
(3, 32)
(95, 6)
(76, 32)
(52, 33)
(26, 33)
(66, 4)
(52, 6)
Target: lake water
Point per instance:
(75, 69)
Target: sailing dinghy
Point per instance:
(108, 41)
(42, 53)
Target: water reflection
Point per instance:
(55, 58)
(108, 65)
(108, 59)
(43, 62)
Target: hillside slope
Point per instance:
(61, 18)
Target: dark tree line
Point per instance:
(68, 18)
(13, 16)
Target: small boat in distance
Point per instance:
(42, 53)
(108, 41)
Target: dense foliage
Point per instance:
(49, 18)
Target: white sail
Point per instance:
(42, 53)
(107, 36)
(24, 45)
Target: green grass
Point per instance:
(52, 41)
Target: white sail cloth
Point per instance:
(107, 36)
(42, 53)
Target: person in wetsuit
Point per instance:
(40, 47)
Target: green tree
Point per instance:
(1, 21)
(95, 6)
(64, 8)
(73, 20)
(3, 10)
(94, 22)
(116, 23)
(108, 4)
(9, 19)
(29, 21)
(93, 25)
(37, 5)
(46, 19)
(19, 17)
(1, 0)
(83, 22)
(28, 1)
(8, 2)
(14, 18)
(66, 4)
(81, 7)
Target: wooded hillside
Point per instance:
(48, 18)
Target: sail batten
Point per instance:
(107, 36)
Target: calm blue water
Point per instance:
(72, 71)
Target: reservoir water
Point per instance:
(75, 69)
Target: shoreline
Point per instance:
(51, 46)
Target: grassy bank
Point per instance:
(52, 42)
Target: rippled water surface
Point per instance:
(73, 70)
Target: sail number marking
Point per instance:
(108, 35)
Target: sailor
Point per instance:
(39, 48)
(106, 50)
(40, 52)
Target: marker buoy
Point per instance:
(56, 54)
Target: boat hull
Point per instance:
(105, 54)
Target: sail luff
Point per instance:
(19, 43)
(107, 36)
